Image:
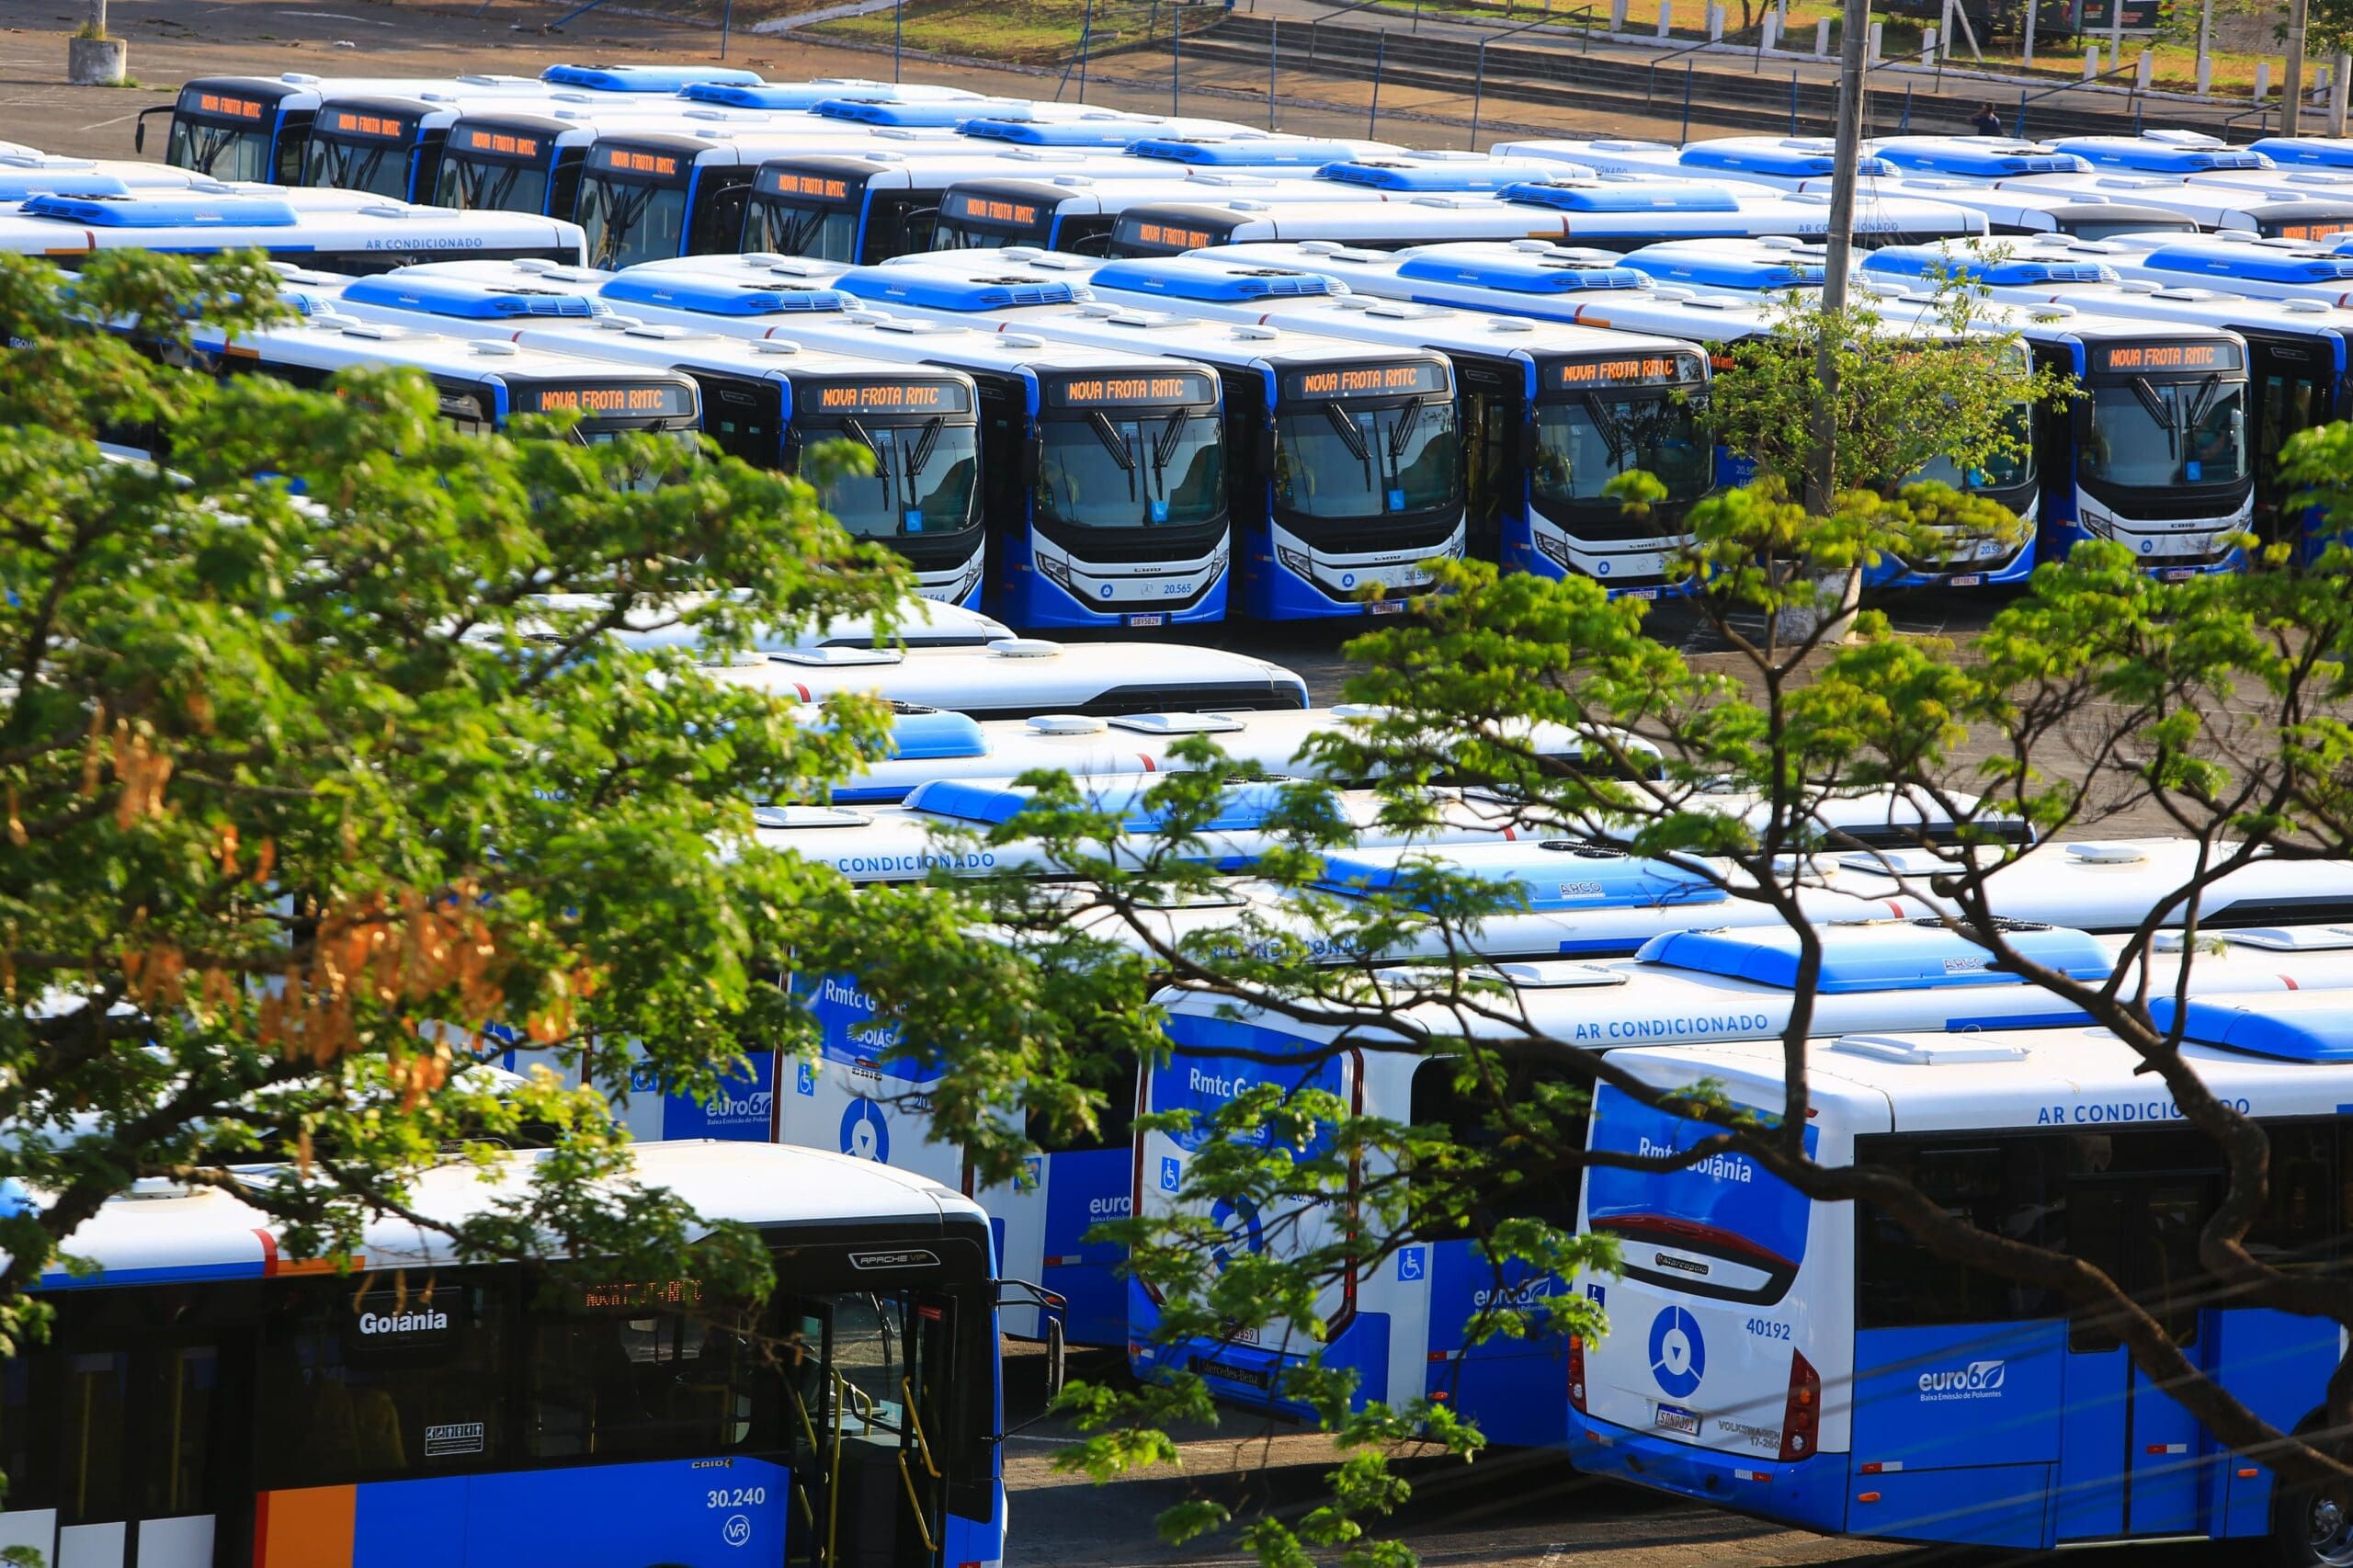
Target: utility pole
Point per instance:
(2291, 102)
(1821, 472)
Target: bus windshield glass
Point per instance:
(795, 213)
(1584, 444)
(1139, 452)
(633, 206)
(1336, 459)
(972, 221)
(356, 150)
(2000, 471)
(487, 170)
(226, 135)
(2162, 415)
(925, 478)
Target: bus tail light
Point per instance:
(1802, 1416)
(1577, 1372)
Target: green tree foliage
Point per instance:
(2217, 702)
(305, 789)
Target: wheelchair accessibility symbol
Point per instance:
(865, 1135)
(805, 1082)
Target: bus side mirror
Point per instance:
(139, 126)
(1263, 450)
(1034, 461)
(1057, 1360)
(1529, 445)
(788, 450)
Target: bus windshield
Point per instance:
(224, 152)
(2159, 435)
(380, 168)
(1128, 468)
(2001, 471)
(974, 233)
(1337, 459)
(630, 220)
(1582, 445)
(475, 184)
(923, 480)
(821, 231)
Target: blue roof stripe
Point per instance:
(2251, 263)
(928, 290)
(172, 211)
(1549, 879)
(645, 78)
(463, 299)
(59, 1279)
(1873, 958)
(2313, 1027)
(1208, 278)
(710, 297)
(1515, 275)
(1628, 198)
(2011, 272)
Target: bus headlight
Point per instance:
(1296, 562)
(1055, 570)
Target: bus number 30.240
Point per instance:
(737, 1498)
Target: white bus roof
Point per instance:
(2210, 206)
(922, 623)
(204, 221)
(1705, 985)
(1028, 676)
(162, 1231)
(337, 342)
(2081, 1079)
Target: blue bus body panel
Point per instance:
(1964, 1420)
(1982, 163)
(2157, 158)
(1552, 879)
(1207, 277)
(1700, 271)
(1529, 275)
(1493, 1380)
(2247, 262)
(929, 291)
(463, 299)
(2310, 1026)
(660, 1511)
(2010, 272)
(22, 185)
(706, 297)
(1090, 1187)
(650, 78)
(1912, 957)
(170, 211)
(2305, 152)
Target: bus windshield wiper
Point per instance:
(1170, 433)
(1347, 431)
(804, 229)
(1409, 419)
(920, 453)
(1613, 433)
(628, 208)
(1113, 442)
(2160, 409)
(2198, 410)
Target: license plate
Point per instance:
(1638, 593)
(1674, 1418)
(1384, 606)
(1969, 580)
(1147, 620)
(2176, 573)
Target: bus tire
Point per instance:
(2308, 1530)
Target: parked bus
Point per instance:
(202, 1398)
(1083, 529)
(2183, 154)
(764, 402)
(2266, 270)
(1028, 675)
(483, 384)
(1611, 214)
(1355, 479)
(1548, 413)
(1259, 149)
(2281, 211)
(1600, 290)
(1430, 173)
(1813, 1363)
(1975, 158)
(1772, 163)
(1075, 212)
(2016, 209)
(654, 195)
(1403, 1324)
(375, 237)
(1107, 129)
(869, 206)
(2296, 348)
(392, 145)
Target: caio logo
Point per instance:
(1979, 1379)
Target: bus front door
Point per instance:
(2130, 1457)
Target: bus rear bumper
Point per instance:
(1808, 1492)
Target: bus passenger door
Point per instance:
(2290, 394)
(2130, 1461)
(1492, 412)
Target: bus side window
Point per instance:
(2008, 1187)
(1469, 1121)
(563, 184)
(898, 222)
(293, 141)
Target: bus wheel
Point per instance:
(2310, 1531)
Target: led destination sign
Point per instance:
(232, 108)
(990, 210)
(888, 397)
(1367, 380)
(621, 161)
(2143, 359)
(498, 143)
(601, 401)
(351, 122)
(820, 187)
(1648, 370)
(1121, 392)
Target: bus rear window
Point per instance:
(1720, 1227)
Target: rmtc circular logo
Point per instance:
(1238, 1219)
(865, 1135)
(1678, 1356)
(1979, 1379)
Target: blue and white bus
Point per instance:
(1259, 149)
(2019, 210)
(1598, 289)
(1773, 163)
(1075, 212)
(1349, 475)
(652, 195)
(1025, 676)
(1812, 1363)
(2183, 154)
(2297, 362)
(423, 1405)
(1404, 1323)
(858, 207)
(1975, 157)
(2283, 208)
(392, 145)
(1048, 124)
(2264, 269)
(764, 402)
(1548, 413)
(1082, 531)
(373, 237)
